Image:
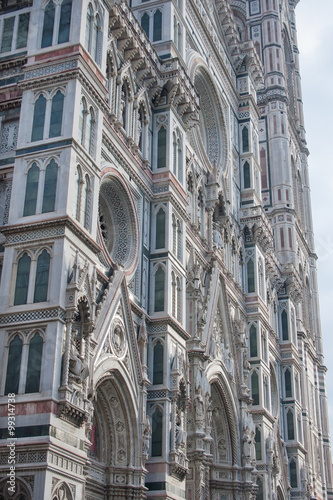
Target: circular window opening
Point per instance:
(118, 222)
(210, 127)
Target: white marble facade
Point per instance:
(159, 307)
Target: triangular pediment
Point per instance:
(115, 336)
(218, 338)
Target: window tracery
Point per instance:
(57, 22)
(24, 363)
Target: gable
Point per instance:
(115, 336)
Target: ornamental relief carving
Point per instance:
(118, 339)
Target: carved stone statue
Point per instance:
(209, 411)
(217, 239)
(78, 367)
(146, 437)
(180, 434)
(199, 406)
(248, 444)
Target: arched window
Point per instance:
(173, 293)
(86, 215)
(245, 139)
(179, 299)
(91, 132)
(34, 364)
(52, 16)
(290, 425)
(94, 44)
(263, 165)
(261, 279)
(89, 24)
(93, 40)
(56, 114)
(78, 193)
(174, 235)
(258, 444)
(42, 277)
(293, 473)
(31, 191)
(284, 321)
(260, 492)
(157, 30)
(308, 306)
(255, 388)
(22, 280)
(161, 147)
(250, 277)
(15, 32)
(39, 119)
(65, 21)
(50, 187)
(287, 383)
(175, 153)
(179, 30)
(156, 438)
(179, 241)
(159, 290)
(300, 432)
(7, 34)
(253, 342)
(160, 229)
(145, 20)
(13, 365)
(47, 35)
(180, 159)
(293, 326)
(247, 175)
(82, 120)
(158, 363)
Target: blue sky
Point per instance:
(315, 42)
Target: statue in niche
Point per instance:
(212, 344)
(201, 310)
(78, 367)
(139, 129)
(248, 444)
(123, 107)
(209, 412)
(180, 434)
(217, 238)
(246, 364)
(146, 437)
(199, 407)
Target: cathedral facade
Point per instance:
(160, 331)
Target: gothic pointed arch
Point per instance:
(115, 438)
(210, 138)
(22, 490)
(224, 417)
(62, 491)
